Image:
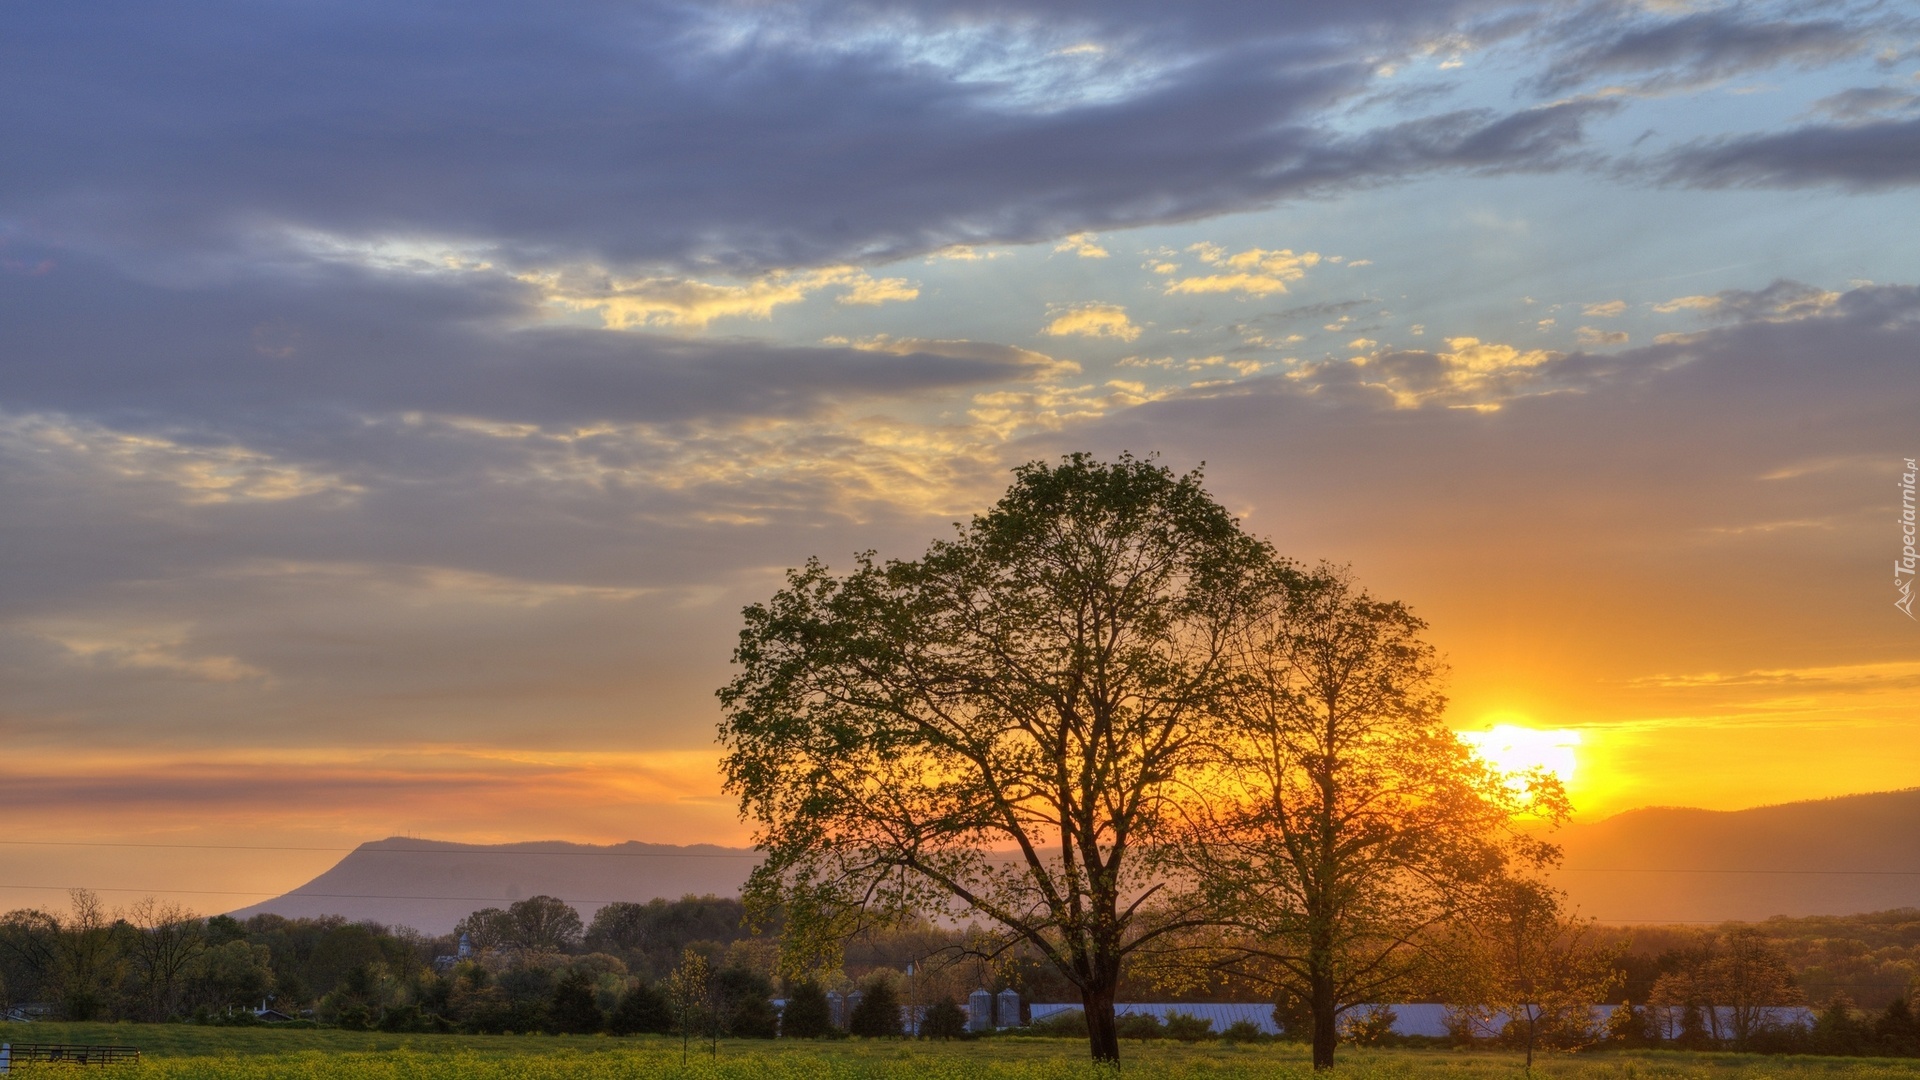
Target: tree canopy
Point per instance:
(1001, 725)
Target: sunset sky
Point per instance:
(398, 403)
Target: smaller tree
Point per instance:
(689, 998)
(1748, 977)
(744, 999)
(944, 1020)
(1837, 1031)
(808, 1014)
(642, 1010)
(165, 940)
(878, 1014)
(573, 1010)
(1523, 959)
(1896, 1030)
(1631, 1025)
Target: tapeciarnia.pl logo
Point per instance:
(1903, 566)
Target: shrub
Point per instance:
(1243, 1031)
(1066, 1024)
(1187, 1028)
(643, 1010)
(1369, 1026)
(1141, 1026)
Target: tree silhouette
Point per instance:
(808, 1014)
(1341, 819)
(1038, 685)
(878, 1014)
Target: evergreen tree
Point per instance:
(878, 1014)
(642, 1010)
(1896, 1031)
(944, 1020)
(1836, 1031)
(746, 1004)
(808, 1015)
(573, 1010)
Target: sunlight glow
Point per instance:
(1512, 749)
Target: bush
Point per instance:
(808, 1015)
(1066, 1024)
(878, 1014)
(1142, 1026)
(643, 1010)
(1243, 1031)
(1187, 1028)
(946, 1020)
(1370, 1026)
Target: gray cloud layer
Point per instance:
(743, 136)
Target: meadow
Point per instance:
(188, 1052)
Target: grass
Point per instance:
(186, 1052)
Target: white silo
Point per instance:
(980, 1011)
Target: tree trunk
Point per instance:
(1325, 1034)
(1103, 1035)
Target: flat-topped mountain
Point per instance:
(431, 884)
(1841, 856)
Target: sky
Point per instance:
(398, 403)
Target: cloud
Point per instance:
(1094, 321)
(201, 473)
(683, 302)
(1083, 245)
(1664, 54)
(155, 648)
(1588, 335)
(1256, 271)
(1606, 310)
(1860, 157)
(1782, 301)
(354, 342)
(1470, 374)
(1864, 103)
(693, 135)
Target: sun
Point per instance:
(1513, 749)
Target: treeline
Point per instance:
(690, 966)
(536, 967)
(1871, 959)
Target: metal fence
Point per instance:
(72, 1054)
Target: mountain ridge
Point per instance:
(1842, 855)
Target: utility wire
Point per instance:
(756, 855)
(303, 896)
(380, 850)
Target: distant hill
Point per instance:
(1843, 856)
(430, 884)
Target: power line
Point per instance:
(1722, 870)
(756, 855)
(303, 896)
(382, 850)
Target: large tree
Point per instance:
(1342, 821)
(1000, 726)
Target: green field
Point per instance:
(185, 1051)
